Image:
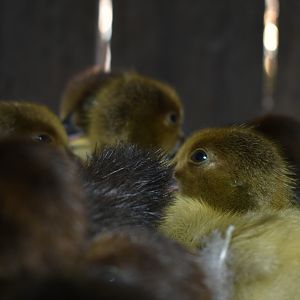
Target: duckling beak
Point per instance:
(174, 187)
(178, 172)
(71, 129)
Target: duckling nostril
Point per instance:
(173, 187)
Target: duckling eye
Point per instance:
(172, 118)
(199, 156)
(43, 138)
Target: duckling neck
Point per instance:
(188, 220)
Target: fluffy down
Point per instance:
(126, 186)
(264, 259)
(42, 214)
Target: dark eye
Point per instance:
(172, 118)
(43, 138)
(199, 156)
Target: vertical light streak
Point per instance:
(105, 19)
(270, 43)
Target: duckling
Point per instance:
(130, 263)
(285, 131)
(234, 169)
(124, 107)
(236, 177)
(126, 185)
(147, 261)
(42, 215)
(122, 264)
(33, 121)
(263, 249)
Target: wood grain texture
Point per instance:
(211, 51)
(43, 43)
(287, 93)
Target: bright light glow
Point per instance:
(272, 7)
(270, 42)
(271, 37)
(107, 62)
(270, 66)
(105, 19)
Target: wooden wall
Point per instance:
(211, 51)
(41, 44)
(287, 92)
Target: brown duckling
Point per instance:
(124, 107)
(42, 215)
(33, 121)
(234, 169)
(122, 264)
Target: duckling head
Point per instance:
(31, 121)
(234, 169)
(138, 110)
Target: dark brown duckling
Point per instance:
(122, 264)
(42, 215)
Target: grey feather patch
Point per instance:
(215, 259)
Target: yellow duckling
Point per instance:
(263, 255)
(236, 178)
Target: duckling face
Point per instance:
(233, 169)
(31, 121)
(158, 117)
(137, 110)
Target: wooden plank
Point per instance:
(211, 51)
(287, 93)
(43, 43)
